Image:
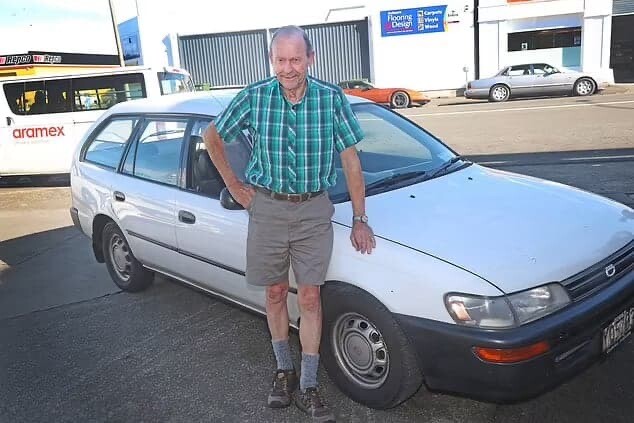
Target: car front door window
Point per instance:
(203, 177)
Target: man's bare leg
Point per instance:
(309, 301)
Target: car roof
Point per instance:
(527, 64)
(202, 102)
(87, 72)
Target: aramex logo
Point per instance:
(53, 131)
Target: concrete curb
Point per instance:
(619, 89)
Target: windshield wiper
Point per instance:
(447, 165)
(394, 179)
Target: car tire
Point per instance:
(584, 87)
(125, 270)
(400, 100)
(499, 93)
(364, 350)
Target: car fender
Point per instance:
(405, 280)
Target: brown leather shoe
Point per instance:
(284, 383)
(310, 402)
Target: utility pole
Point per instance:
(116, 34)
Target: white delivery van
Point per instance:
(42, 118)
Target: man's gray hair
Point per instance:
(292, 30)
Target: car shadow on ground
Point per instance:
(461, 101)
(18, 250)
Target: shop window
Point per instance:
(543, 39)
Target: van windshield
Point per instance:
(174, 82)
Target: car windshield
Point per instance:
(393, 153)
(361, 85)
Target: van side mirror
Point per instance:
(228, 202)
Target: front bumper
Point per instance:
(447, 360)
(420, 101)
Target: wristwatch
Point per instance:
(362, 218)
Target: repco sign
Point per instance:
(43, 132)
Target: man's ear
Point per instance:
(311, 59)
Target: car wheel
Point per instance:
(125, 270)
(400, 100)
(364, 349)
(499, 93)
(584, 86)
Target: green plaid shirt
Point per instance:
(293, 145)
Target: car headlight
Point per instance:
(506, 311)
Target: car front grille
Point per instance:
(602, 274)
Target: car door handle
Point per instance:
(186, 217)
(119, 196)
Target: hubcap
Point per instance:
(121, 258)
(584, 87)
(400, 99)
(499, 93)
(360, 350)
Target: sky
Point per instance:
(77, 26)
(85, 26)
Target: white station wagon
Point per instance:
(484, 283)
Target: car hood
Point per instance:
(514, 231)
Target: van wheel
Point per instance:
(364, 350)
(125, 270)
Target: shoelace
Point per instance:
(280, 383)
(314, 398)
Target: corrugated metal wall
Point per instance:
(236, 58)
(622, 7)
(342, 50)
(240, 58)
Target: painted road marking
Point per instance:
(558, 160)
(520, 109)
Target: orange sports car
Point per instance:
(398, 98)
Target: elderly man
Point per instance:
(298, 124)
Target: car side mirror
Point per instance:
(228, 202)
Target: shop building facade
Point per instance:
(424, 45)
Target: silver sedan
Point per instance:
(536, 79)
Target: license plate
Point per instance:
(619, 329)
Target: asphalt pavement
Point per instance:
(76, 349)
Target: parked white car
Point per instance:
(484, 283)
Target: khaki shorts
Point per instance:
(283, 233)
